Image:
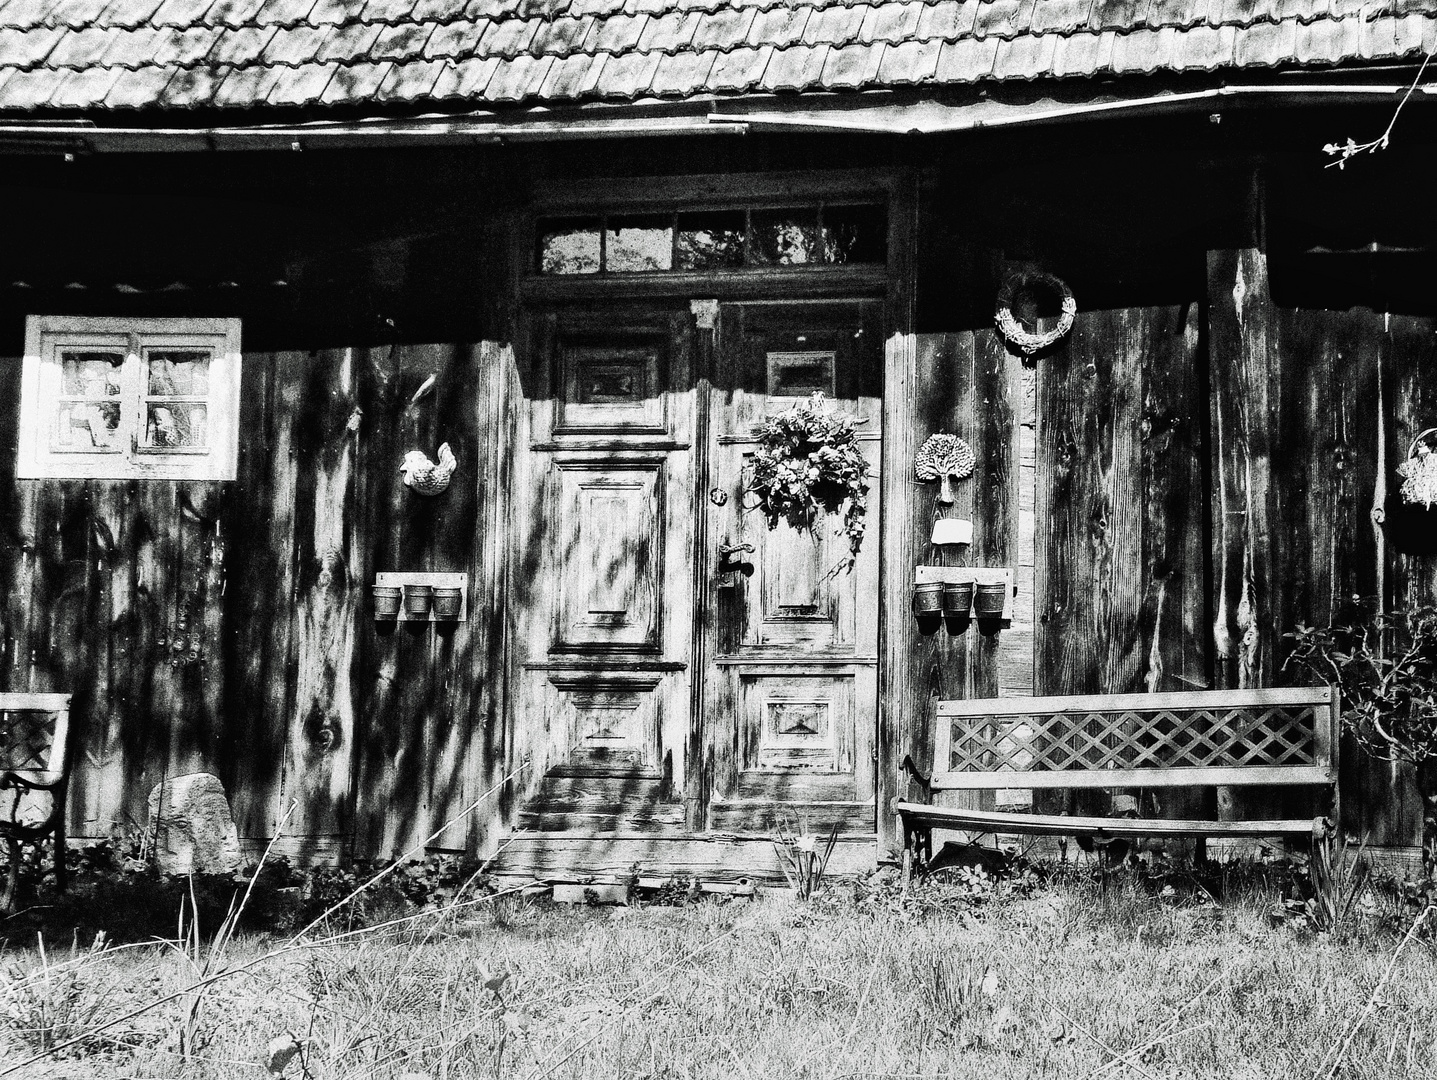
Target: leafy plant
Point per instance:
(809, 463)
(1386, 671)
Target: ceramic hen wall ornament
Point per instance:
(427, 477)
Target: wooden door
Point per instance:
(789, 703)
(604, 590)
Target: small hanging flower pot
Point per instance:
(447, 602)
(957, 599)
(928, 599)
(989, 599)
(417, 599)
(386, 601)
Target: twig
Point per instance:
(1351, 149)
(1371, 1005)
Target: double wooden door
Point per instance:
(685, 668)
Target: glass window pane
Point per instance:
(91, 374)
(710, 241)
(569, 246)
(786, 237)
(854, 234)
(87, 425)
(185, 373)
(175, 424)
(637, 244)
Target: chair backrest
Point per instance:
(1285, 735)
(34, 731)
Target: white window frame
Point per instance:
(46, 336)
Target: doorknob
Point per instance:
(728, 550)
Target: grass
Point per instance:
(1082, 979)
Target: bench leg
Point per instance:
(61, 873)
(12, 877)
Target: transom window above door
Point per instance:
(719, 238)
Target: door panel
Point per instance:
(604, 624)
(792, 634)
(611, 547)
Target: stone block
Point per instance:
(193, 829)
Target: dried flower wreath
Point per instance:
(1027, 341)
(809, 463)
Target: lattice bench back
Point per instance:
(1227, 737)
(33, 733)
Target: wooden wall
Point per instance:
(1202, 478)
(226, 627)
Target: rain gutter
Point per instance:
(722, 118)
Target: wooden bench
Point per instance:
(1229, 738)
(34, 774)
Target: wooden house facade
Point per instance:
(590, 248)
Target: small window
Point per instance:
(716, 238)
(127, 398)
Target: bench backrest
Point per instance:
(1227, 737)
(34, 730)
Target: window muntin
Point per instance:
(130, 398)
(734, 238)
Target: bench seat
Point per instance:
(992, 821)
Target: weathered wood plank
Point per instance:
(497, 414)
(1243, 399)
(458, 392)
(1406, 405)
(321, 732)
(397, 676)
(943, 660)
(1173, 620)
(569, 857)
(259, 592)
(902, 724)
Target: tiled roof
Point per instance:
(177, 54)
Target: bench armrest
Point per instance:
(31, 780)
(924, 782)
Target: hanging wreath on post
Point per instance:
(1026, 283)
(808, 463)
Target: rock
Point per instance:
(193, 830)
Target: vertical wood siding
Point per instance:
(1204, 478)
(226, 627)
(1178, 486)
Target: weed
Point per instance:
(799, 857)
(53, 1004)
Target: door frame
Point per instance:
(893, 283)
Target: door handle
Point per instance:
(727, 564)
